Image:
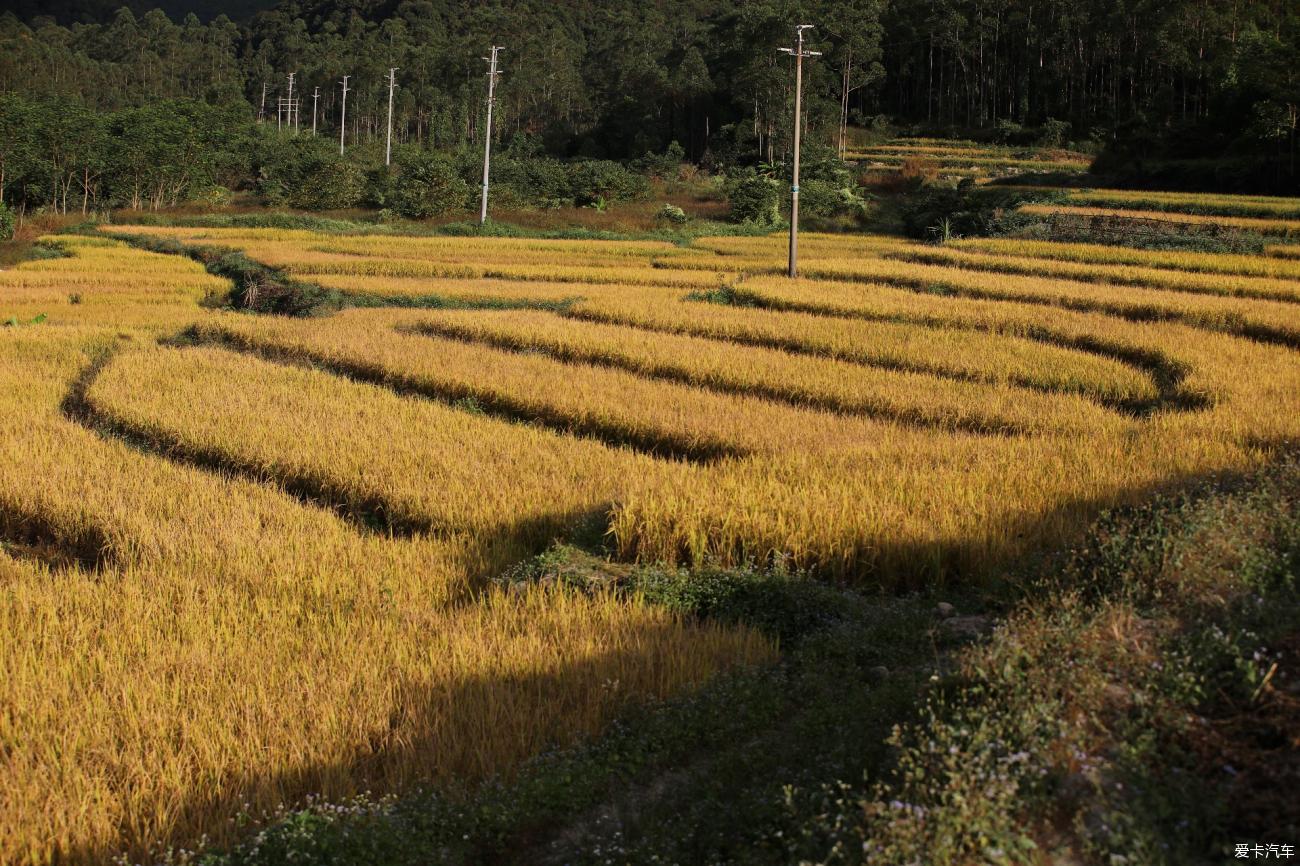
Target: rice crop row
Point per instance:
(1188, 202)
(1116, 275)
(988, 162)
(822, 382)
(933, 342)
(364, 448)
(614, 405)
(1273, 227)
(1174, 260)
(1263, 319)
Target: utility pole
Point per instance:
(487, 138)
(288, 106)
(388, 148)
(799, 54)
(343, 120)
(315, 95)
(261, 112)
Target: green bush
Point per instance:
(6, 222)
(671, 213)
(754, 199)
(428, 185)
(329, 184)
(308, 173)
(820, 198)
(592, 181)
(1054, 133)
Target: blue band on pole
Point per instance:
(794, 189)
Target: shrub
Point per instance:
(592, 181)
(754, 199)
(428, 185)
(917, 171)
(1054, 133)
(671, 213)
(6, 222)
(329, 184)
(212, 197)
(307, 173)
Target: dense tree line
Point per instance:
(1144, 78)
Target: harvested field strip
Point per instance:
(360, 448)
(1103, 254)
(616, 407)
(909, 398)
(1277, 227)
(1287, 291)
(890, 341)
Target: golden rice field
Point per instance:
(1221, 204)
(1273, 227)
(246, 557)
(968, 158)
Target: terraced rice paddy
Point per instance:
(1272, 227)
(247, 558)
(968, 158)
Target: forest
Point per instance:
(114, 108)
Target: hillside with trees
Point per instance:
(1188, 93)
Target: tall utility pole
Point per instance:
(261, 112)
(315, 95)
(343, 121)
(487, 137)
(799, 54)
(388, 148)
(288, 108)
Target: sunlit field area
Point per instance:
(248, 557)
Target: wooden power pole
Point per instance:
(799, 54)
(487, 137)
(343, 120)
(388, 148)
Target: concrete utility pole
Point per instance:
(261, 111)
(799, 54)
(388, 148)
(315, 96)
(288, 108)
(343, 120)
(487, 137)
